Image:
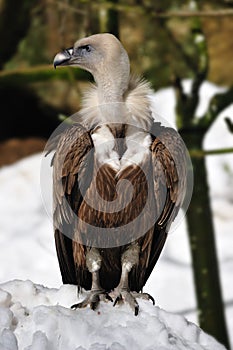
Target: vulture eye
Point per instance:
(84, 49)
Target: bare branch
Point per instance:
(24, 76)
(147, 10)
(217, 104)
(187, 14)
(179, 47)
(198, 153)
(67, 6)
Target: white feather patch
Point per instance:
(138, 147)
(104, 143)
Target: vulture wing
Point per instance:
(73, 169)
(169, 167)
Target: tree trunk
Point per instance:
(203, 249)
(113, 21)
(14, 23)
(109, 20)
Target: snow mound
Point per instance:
(33, 317)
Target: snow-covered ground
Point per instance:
(28, 252)
(40, 319)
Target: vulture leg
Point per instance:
(93, 261)
(129, 258)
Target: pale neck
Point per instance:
(110, 100)
(111, 87)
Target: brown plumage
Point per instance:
(119, 179)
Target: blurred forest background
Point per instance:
(159, 43)
(167, 41)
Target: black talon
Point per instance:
(116, 301)
(75, 306)
(108, 297)
(152, 299)
(136, 310)
(149, 297)
(118, 298)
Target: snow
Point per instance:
(34, 317)
(40, 318)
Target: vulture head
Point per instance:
(104, 57)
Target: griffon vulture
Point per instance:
(119, 179)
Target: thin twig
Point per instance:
(67, 6)
(217, 104)
(209, 13)
(147, 10)
(196, 153)
(21, 77)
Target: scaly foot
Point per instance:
(93, 298)
(128, 297)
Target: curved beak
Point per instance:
(63, 57)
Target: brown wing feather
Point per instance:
(73, 162)
(167, 169)
(169, 173)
